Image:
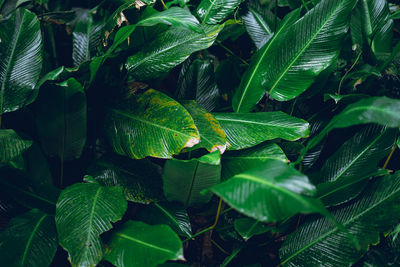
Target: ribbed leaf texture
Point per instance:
(84, 211)
(30, 240)
(137, 244)
(21, 59)
(289, 66)
(151, 124)
(215, 11)
(12, 145)
(139, 179)
(168, 50)
(318, 242)
(184, 180)
(245, 130)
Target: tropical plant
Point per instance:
(199, 133)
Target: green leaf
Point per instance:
(140, 180)
(21, 60)
(84, 211)
(137, 244)
(185, 179)
(318, 241)
(356, 158)
(168, 50)
(289, 65)
(60, 116)
(29, 240)
(197, 82)
(247, 228)
(270, 192)
(12, 145)
(235, 162)
(380, 110)
(151, 124)
(174, 16)
(245, 130)
(212, 137)
(171, 214)
(215, 11)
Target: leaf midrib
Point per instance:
(336, 228)
(144, 243)
(269, 123)
(261, 21)
(28, 243)
(89, 229)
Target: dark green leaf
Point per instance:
(84, 211)
(248, 228)
(21, 60)
(138, 244)
(151, 124)
(29, 240)
(215, 11)
(185, 179)
(245, 130)
(12, 145)
(318, 241)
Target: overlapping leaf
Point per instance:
(215, 11)
(288, 65)
(12, 145)
(137, 244)
(245, 130)
(169, 49)
(248, 227)
(29, 240)
(151, 124)
(318, 241)
(84, 211)
(21, 59)
(185, 179)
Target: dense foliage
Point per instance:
(199, 133)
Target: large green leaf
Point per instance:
(270, 192)
(318, 242)
(84, 211)
(151, 124)
(140, 179)
(185, 179)
(168, 213)
(12, 145)
(212, 137)
(197, 82)
(380, 110)
(245, 130)
(21, 59)
(29, 240)
(137, 244)
(355, 159)
(215, 11)
(168, 50)
(235, 162)
(289, 65)
(60, 115)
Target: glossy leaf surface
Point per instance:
(365, 218)
(247, 228)
(185, 179)
(270, 192)
(12, 145)
(84, 211)
(151, 124)
(169, 49)
(245, 130)
(139, 244)
(21, 59)
(29, 240)
(215, 11)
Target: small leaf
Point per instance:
(212, 137)
(245, 130)
(139, 179)
(151, 124)
(185, 179)
(171, 214)
(21, 59)
(215, 11)
(29, 240)
(12, 145)
(137, 244)
(271, 192)
(247, 228)
(84, 211)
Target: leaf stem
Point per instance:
(220, 248)
(231, 52)
(165, 7)
(347, 72)
(389, 157)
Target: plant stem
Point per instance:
(389, 157)
(231, 52)
(220, 248)
(165, 7)
(347, 72)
